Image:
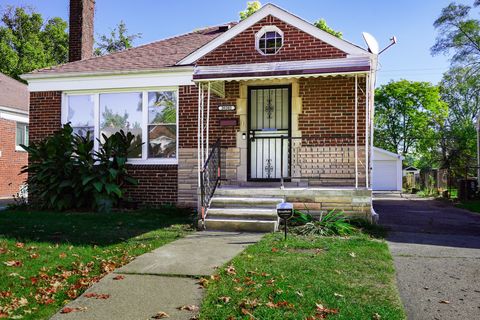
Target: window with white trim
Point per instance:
(151, 116)
(269, 40)
(21, 135)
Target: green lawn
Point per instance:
(47, 259)
(286, 280)
(472, 205)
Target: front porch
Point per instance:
(302, 139)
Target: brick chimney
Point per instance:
(81, 29)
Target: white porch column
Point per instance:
(367, 121)
(208, 121)
(199, 151)
(356, 131)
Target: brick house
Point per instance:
(234, 118)
(13, 132)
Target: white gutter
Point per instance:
(55, 75)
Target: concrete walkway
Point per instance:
(162, 280)
(436, 250)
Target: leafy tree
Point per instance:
(118, 40)
(27, 42)
(322, 24)
(461, 91)
(113, 119)
(407, 115)
(458, 33)
(253, 6)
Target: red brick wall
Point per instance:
(11, 161)
(329, 107)
(157, 184)
(45, 114)
(188, 119)
(298, 45)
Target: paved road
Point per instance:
(436, 250)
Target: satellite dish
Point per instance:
(372, 43)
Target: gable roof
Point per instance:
(388, 153)
(156, 55)
(13, 93)
(273, 10)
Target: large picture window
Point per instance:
(151, 116)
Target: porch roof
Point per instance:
(304, 68)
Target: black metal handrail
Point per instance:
(210, 177)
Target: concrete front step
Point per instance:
(244, 202)
(240, 225)
(243, 213)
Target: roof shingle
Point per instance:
(13, 93)
(155, 55)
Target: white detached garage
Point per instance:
(387, 170)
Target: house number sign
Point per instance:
(226, 108)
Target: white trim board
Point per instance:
(102, 82)
(285, 16)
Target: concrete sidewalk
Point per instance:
(161, 280)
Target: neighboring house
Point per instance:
(13, 132)
(386, 170)
(411, 170)
(277, 108)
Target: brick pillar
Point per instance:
(81, 29)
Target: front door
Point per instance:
(269, 110)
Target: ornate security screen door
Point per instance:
(268, 120)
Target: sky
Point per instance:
(411, 21)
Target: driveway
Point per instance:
(436, 250)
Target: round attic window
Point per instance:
(269, 40)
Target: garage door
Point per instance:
(384, 175)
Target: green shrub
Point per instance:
(65, 173)
(330, 224)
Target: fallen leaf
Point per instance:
(76, 309)
(231, 270)
(215, 277)
(274, 250)
(376, 316)
(33, 280)
(189, 307)
(352, 254)
(445, 301)
(3, 250)
(338, 295)
(161, 315)
(22, 302)
(118, 278)
(97, 295)
(19, 244)
(300, 294)
(238, 289)
(224, 299)
(323, 311)
(13, 263)
(203, 282)
(34, 255)
(3, 315)
(62, 255)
